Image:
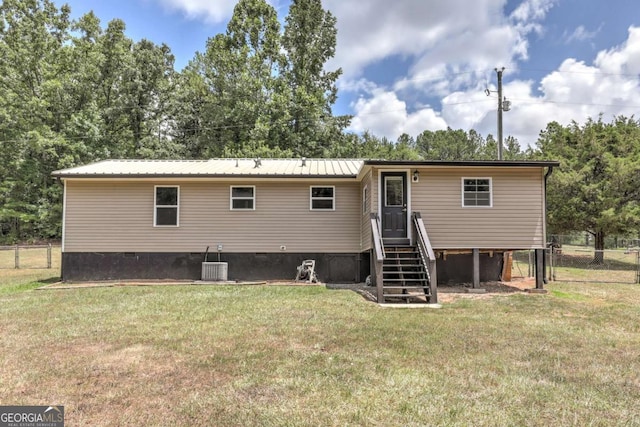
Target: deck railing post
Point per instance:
(17, 260)
(378, 250)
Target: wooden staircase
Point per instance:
(403, 273)
(405, 278)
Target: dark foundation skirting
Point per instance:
(331, 268)
(458, 268)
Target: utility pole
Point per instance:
(503, 105)
(499, 112)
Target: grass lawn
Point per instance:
(268, 355)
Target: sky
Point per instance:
(415, 65)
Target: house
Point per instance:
(407, 224)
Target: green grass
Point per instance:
(33, 272)
(265, 355)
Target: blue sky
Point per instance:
(411, 65)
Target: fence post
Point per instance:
(17, 261)
(638, 267)
(49, 255)
(539, 268)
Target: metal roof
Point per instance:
(274, 168)
(465, 163)
(342, 168)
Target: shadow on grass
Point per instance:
(15, 288)
(50, 280)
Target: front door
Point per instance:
(394, 205)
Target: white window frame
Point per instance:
(477, 178)
(232, 198)
(333, 198)
(156, 206)
(365, 193)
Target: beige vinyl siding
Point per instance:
(514, 222)
(117, 216)
(367, 181)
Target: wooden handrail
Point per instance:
(376, 232)
(428, 255)
(422, 234)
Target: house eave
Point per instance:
(464, 163)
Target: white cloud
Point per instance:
(624, 59)
(532, 9)
(429, 35)
(447, 53)
(376, 29)
(210, 11)
(385, 115)
(575, 91)
(581, 34)
(446, 46)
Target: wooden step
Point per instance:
(393, 264)
(402, 271)
(406, 296)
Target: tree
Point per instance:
(230, 93)
(33, 34)
(259, 91)
(309, 41)
(71, 93)
(597, 187)
(448, 145)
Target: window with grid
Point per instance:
(476, 192)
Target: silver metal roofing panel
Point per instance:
(217, 168)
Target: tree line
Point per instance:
(73, 91)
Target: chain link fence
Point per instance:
(570, 263)
(26, 256)
(523, 264)
(580, 264)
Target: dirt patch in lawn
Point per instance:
(171, 282)
(451, 293)
(492, 289)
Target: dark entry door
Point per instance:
(394, 205)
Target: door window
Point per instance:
(393, 191)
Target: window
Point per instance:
(393, 191)
(166, 206)
(243, 198)
(322, 198)
(476, 192)
(365, 199)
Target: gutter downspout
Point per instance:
(544, 258)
